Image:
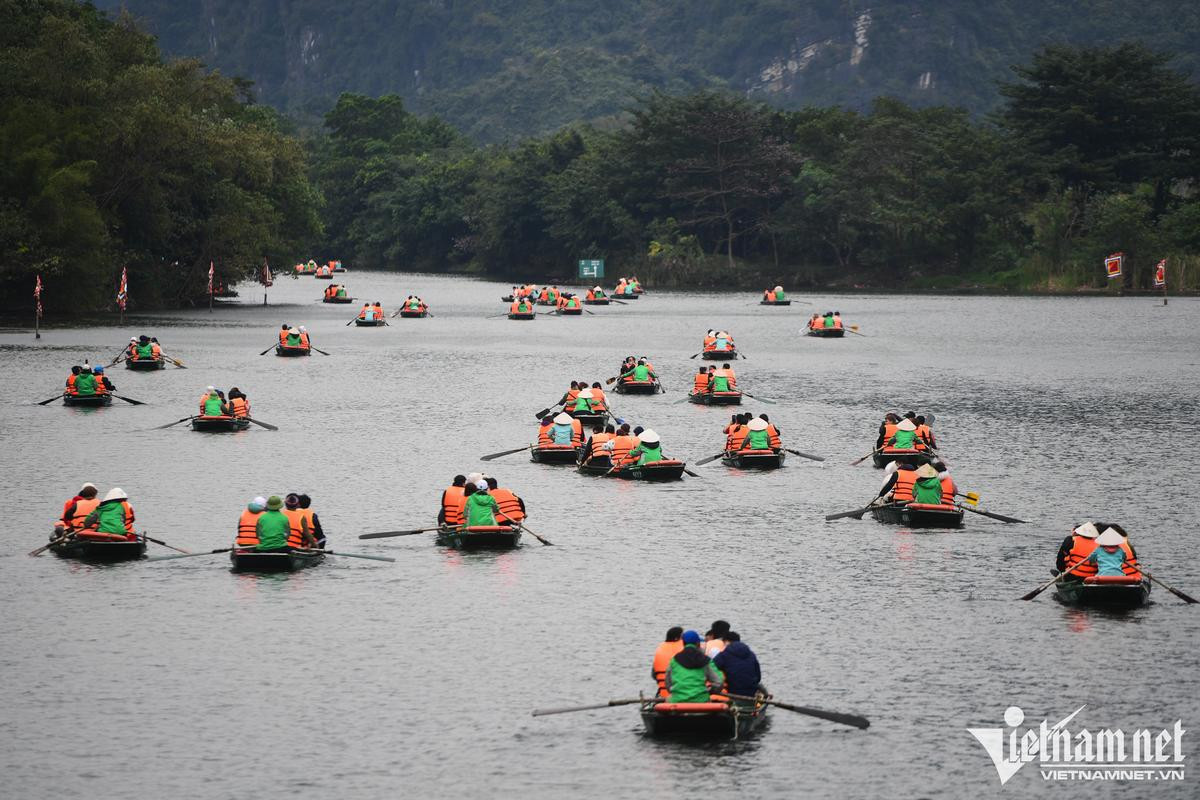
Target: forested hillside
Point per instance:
(502, 69)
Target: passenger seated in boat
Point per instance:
(292, 339)
(212, 404)
(284, 332)
(144, 349)
(779, 295)
(713, 641)
(512, 507)
(273, 528)
(76, 510)
(768, 295)
(113, 515)
(928, 487)
(1109, 556)
(599, 398)
(735, 432)
(887, 429)
(521, 306)
(836, 320)
(69, 388)
(905, 437)
(452, 502)
(773, 438)
(619, 446)
(925, 440)
(898, 486)
(700, 381)
(1077, 547)
(247, 529)
(239, 404)
(304, 340)
(594, 447)
(756, 437)
(315, 522)
(480, 509)
(300, 532)
(566, 430)
(367, 314)
(723, 380)
(666, 650)
(583, 401)
(739, 665)
(690, 674)
(640, 372)
(648, 449)
(949, 487)
(377, 309)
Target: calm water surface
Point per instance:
(364, 680)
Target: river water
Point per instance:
(360, 679)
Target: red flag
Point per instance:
(1160, 274)
(265, 278)
(37, 295)
(210, 277)
(123, 289)
(1113, 264)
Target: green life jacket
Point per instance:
(904, 440)
(414, 304)
(293, 340)
(341, 292)
(650, 453)
(759, 440)
(273, 529)
(829, 322)
(583, 404)
(111, 514)
(572, 303)
(641, 373)
(212, 406)
(720, 383)
(85, 383)
(780, 296)
(145, 350)
(927, 490)
(687, 685)
(481, 509)
(524, 307)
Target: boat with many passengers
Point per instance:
(919, 515)
(97, 547)
(286, 559)
(479, 537)
(222, 423)
(734, 720)
(1104, 591)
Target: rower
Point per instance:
(599, 398)
(928, 488)
(663, 654)
(367, 313)
(769, 295)
(247, 529)
(512, 507)
(601, 435)
(924, 434)
(213, 405)
(113, 515)
(481, 508)
(815, 322)
(713, 643)
(773, 438)
(640, 372)
(300, 532)
(1076, 547)
(131, 348)
(70, 387)
(735, 432)
(313, 521)
(722, 341)
(899, 484)
(155, 348)
(700, 381)
(452, 502)
(620, 444)
(76, 510)
(284, 332)
(239, 404)
(887, 429)
(837, 320)
(304, 340)
(273, 529)
(739, 665)
(690, 673)
(648, 448)
(378, 309)
(568, 399)
(103, 384)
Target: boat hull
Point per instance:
(666, 470)
(571, 312)
(599, 301)
(916, 457)
(273, 561)
(719, 355)
(600, 465)
(368, 323)
(406, 314)
(101, 548)
(915, 515)
(338, 300)
(774, 302)
(145, 364)
(716, 398)
(702, 720)
(520, 315)
(589, 421)
(283, 351)
(636, 387)
(754, 459)
(328, 277)
(219, 424)
(1114, 596)
(554, 454)
(827, 333)
(87, 400)
(623, 296)
(496, 537)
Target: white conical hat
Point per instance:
(926, 471)
(119, 494)
(1087, 530)
(586, 393)
(757, 424)
(293, 331)
(1110, 538)
(906, 425)
(563, 418)
(648, 437)
(474, 477)
(779, 288)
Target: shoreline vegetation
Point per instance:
(118, 158)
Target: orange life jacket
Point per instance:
(905, 480)
(728, 375)
(949, 489)
(71, 383)
(576, 432)
(128, 509)
(889, 430)
(1130, 565)
(598, 440)
(453, 500)
(247, 530)
(1081, 548)
(837, 323)
(662, 661)
(509, 505)
(544, 439)
(771, 296)
(737, 435)
(621, 447)
(303, 339)
(296, 517)
(700, 382)
(378, 311)
(239, 407)
(82, 509)
(710, 342)
(599, 400)
(773, 434)
(572, 396)
(283, 334)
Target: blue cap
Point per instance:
(691, 637)
(620, 421)
(97, 370)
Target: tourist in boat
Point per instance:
(76, 510)
(284, 332)
(113, 515)
(595, 293)
(647, 450)
(521, 306)
(305, 342)
(898, 487)
(1109, 555)
(212, 404)
(700, 381)
(640, 372)
(291, 337)
(739, 665)
(1077, 547)
(247, 528)
(928, 487)
(367, 313)
(713, 643)
(377, 308)
(736, 431)
(103, 384)
(131, 348)
(69, 388)
(239, 404)
(155, 348)
(949, 487)
(924, 434)
(690, 673)
(836, 321)
(300, 527)
(568, 399)
(566, 430)
(722, 341)
(512, 507)
(583, 401)
(723, 380)
(599, 398)
(666, 650)
(773, 438)
(453, 496)
(313, 520)
(887, 429)
(480, 509)
(756, 437)
(905, 437)
(85, 383)
(273, 527)
(143, 349)
(619, 446)
(594, 446)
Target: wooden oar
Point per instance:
(709, 460)
(319, 350)
(51, 400)
(149, 538)
(169, 424)
(47, 546)
(266, 425)
(129, 400)
(614, 300)
(174, 361)
(833, 716)
(521, 526)
(116, 361)
(349, 555)
(1187, 598)
(970, 497)
(493, 456)
(389, 534)
(190, 555)
(857, 514)
(351, 322)
(541, 414)
(804, 455)
(1053, 581)
(864, 458)
(767, 400)
(1000, 517)
(693, 356)
(687, 471)
(742, 356)
(545, 712)
(854, 329)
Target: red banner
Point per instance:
(123, 289)
(210, 277)
(37, 295)
(1113, 265)
(1160, 274)
(265, 278)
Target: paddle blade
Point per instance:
(360, 555)
(169, 424)
(809, 456)
(129, 400)
(545, 712)
(854, 720)
(51, 400)
(542, 413)
(494, 456)
(999, 517)
(857, 514)
(266, 425)
(708, 460)
(693, 474)
(388, 534)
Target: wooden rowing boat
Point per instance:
(668, 469)
(571, 312)
(287, 351)
(599, 465)
(589, 420)
(480, 537)
(636, 387)
(285, 559)
(97, 547)
(733, 398)
(597, 301)
(1096, 591)
(734, 720)
(219, 424)
(827, 333)
(146, 364)
(919, 515)
(554, 454)
(887, 455)
(521, 314)
(338, 300)
(368, 323)
(409, 314)
(754, 459)
(624, 296)
(774, 302)
(328, 276)
(719, 355)
(88, 400)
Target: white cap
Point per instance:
(892, 466)
(119, 494)
(648, 437)
(597, 289)
(481, 486)
(1087, 530)
(212, 388)
(757, 424)
(133, 338)
(257, 504)
(474, 477)
(293, 331)
(1110, 538)
(563, 418)
(906, 425)
(586, 393)
(779, 288)
(303, 329)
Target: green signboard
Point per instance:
(591, 268)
